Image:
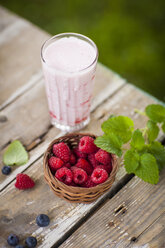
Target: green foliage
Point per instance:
(156, 112)
(148, 170)
(129, 34)
(121, 126)
(158, 151)
(137, 141)
(131, 161)
(15, 154)
(152, 131)
(145, 157)
(111, 143)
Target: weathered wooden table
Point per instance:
(131, 214)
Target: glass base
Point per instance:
(70, 128)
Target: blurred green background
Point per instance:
(129, 34)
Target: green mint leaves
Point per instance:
(145, 157)
(137, 141)
(121, 126)
(111, 143)
(155, 112)
(148, 169)
(15, 154)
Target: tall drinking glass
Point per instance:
(69, 64)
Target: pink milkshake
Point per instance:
(69, 63)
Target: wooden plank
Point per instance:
(20, 44)
(132, 218)
(7, 18)
(35, 113)
(20, 218)
(22, 118)
(63, 215)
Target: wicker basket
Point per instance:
(70, 193)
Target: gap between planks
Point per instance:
(125, 101)
(110, 90)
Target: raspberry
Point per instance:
(89, 183)
(72, 159)
(92, 160)
(23, 181)
(99, 176)
(79, 175)
(108, 167)
(62, 151)
(103, 157)
(64, 175)
(67, 165)
(87, 145)
(79, 154)
(83, 164)
(55, 163)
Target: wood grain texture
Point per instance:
(7, 18)
(64, 215)
(18, 211)
(133, 218)
(30, 122)
(20, 45)
(123, 102)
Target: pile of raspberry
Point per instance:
(84, 166)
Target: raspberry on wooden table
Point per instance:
(62, 151)
(55, 163)
(99, 176)
(64, 175)
(86, 145)
(23, 181)
(103, 157)
(83, 164)
(79, 154)
(79, 175)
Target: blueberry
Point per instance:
(6, 170)
(19, 246)
(31, 242)
(13, 240)
(42, 220)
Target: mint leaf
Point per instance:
(163, 127)
(155, 112)
(121, 126)
(137, 141)
(158, 151)
(131, 161)
(153, 130)
(148, 169)
(15, 154)
(110, 143)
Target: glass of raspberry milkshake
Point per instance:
(69, 63)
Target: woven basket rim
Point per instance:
(77, 188)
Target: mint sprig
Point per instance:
(15, 154)
(145, 157)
